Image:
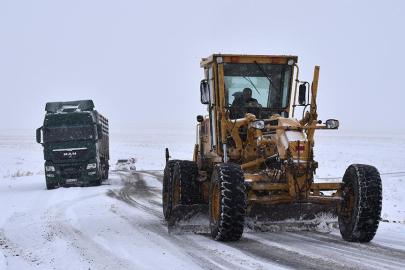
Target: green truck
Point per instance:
(76, 144)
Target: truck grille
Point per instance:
(71, 171)
(71, 175)
(70, 168)
(72, 153)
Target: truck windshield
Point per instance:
(69, 133)
(269, 85)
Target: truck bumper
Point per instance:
(71, 173)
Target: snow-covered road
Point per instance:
(120, 225)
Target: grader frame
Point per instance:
(257, 155)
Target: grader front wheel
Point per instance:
(360, 208)
(227, 203)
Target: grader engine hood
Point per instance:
(291, 143)
(277, 137)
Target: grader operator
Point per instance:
(252, 153)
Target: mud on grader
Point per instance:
(254, 159)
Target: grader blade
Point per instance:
(286, 217)
(322, 223)
(297, 211)
(189, 218)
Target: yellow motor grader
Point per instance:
(253, 158)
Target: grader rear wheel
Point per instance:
(360, 209)
(166, 190)
(227, 204)
(186, 189)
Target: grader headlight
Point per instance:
(332, 124)
(257, 124)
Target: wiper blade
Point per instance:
(267, 76)
(249, 80)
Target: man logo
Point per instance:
(69, 154)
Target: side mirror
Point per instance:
(39, 135)
(167, 155)
(301, 94)
(205, 93)
(200, 118)
(99, 131)
(332, 124)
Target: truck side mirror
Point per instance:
(99, 131)
(167, 155)
(302, 94)
(205, 93)
(39, 135)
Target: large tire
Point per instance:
(100, 177)
(104, 173)
(97, 182)
(50, 186)
(186, 190)
(166, 190)
(360, 209)
(227, 203)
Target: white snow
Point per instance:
(89, 228)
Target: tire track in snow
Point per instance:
(156, 174)
(90, 250)
(12, 249)
(300, 250)
(375, 256)
(200, 255)
(287, 257)
(314, 250)
(203, 258)
(135, 186)
(38, 246)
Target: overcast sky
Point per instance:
(139, 60)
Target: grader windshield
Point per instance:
(269, 86)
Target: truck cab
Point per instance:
(75, 141)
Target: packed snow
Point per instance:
(119, 225)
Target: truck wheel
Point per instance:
(50, 186)
(97, 182)
(104, 174)
(360, 208)
(166, 190)
(186, 190)
(227, 203)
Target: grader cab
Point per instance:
(253, 158)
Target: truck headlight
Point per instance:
(91, 166)
(332, 123)
(50, 175)
(258, 124)
(49, 168)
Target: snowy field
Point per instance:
(104, 228)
